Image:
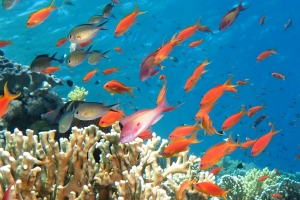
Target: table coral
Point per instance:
(46, 169)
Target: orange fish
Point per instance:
(233, 119)
(216, 171)
(262, 178)
(183, 131)
(50, 70)
(277, 196)
(180, 195)
(89, 75)
(262, 20)
(263, 142)
(240, 83)
(110, 70)
(110, 118)
(164, 51)
(61, 41)
(277, 75)
(127, 21)
(188, 32)
(6, 99)
(5, 43)
(179, 145)
(118, 49)
(215, 93)
(39, 16)
(211, 189)
(213, 155)
(207, 125)
(162, 77)
(249, 143)
(231, 16)
(200, 113)
(117, 87)
(255, 109)
(195, 43)
(265, 54)
(190, 83)
(232, 89)
(200, 68)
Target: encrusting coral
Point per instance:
(78, 94)
(41, 168)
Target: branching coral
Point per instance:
(234, 184)
(78, 94)
(47, 169)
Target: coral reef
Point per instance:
(234, 184)
(44, 168)
(21, 79)
(253, 187)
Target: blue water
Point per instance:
(232, 51)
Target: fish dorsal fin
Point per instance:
(42, 56)
(30, 15)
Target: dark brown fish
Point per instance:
(258, 120)
(230, 17)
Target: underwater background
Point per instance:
(232, 51)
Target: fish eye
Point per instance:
(70, 36)
(143, 76)
(122, 136)
(69, 61)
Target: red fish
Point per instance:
(89, 75)
(233, 119)
(206, 124)
(141, 120)
(161, 93)
(183, 131)
(6, 99)
(5, 43)
(278, 75)
(110, 70)
(277, 196)
(50, 70)
(262, 20)
(195, 43)
(231, 16)
(249, 143)
(262, 178)
(240, 82)
(61, 41)
(117, 87)
(216, 171)
(118, 49)
(214, 154)
(265, 54)
(255, 109)
(201, 112)
(127, 21)
(110, 118)
(215, 93)
(7, 194)
(164, 51)
(148, 65)
(188, 32)
(211, 189)
(179, 145)
(39, 16)
(180, 195)
(263, 142)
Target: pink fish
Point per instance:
(135, 124)
(231, 16)
(148, 65)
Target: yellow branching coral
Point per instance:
(77, 94)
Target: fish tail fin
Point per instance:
(240, 6)
(198, 24)
(225, 194)
(8, 95)
(228, 83)
(193, 139)
(130, 91)
(137, 11)
(206, 62)
(88, 50)
(52, 6)
(230, 141)
(10, 42)
(243, 111)
(273, 132)
(164, 106)
(100, 26)
(274, 51)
